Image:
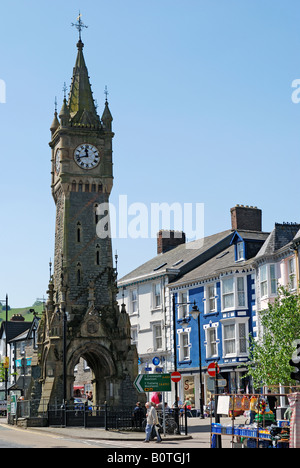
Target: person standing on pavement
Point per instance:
(152, 420)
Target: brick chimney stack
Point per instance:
(168, 240)
(246, 218)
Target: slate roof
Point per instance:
(14, 329)
(222, 262)
(297, 236)
(280, 237)
(180, 259)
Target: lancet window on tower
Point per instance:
(98, 253)
(79, 274)
(79, 232)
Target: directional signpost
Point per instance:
(153, 383)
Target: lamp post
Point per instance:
(195, 313)
(175, 360)
(6, 321)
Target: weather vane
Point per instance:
(79, 25)
(106, 93)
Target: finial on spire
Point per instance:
(65, 90)
(106, 93)
(55, 104)
(79, 25)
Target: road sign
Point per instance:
(156, 361)
(212, 369)
(153, 383)
(175, 376)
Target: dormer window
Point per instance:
(240, 254)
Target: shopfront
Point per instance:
(189, 389)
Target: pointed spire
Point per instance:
(55, 124)
(81, 103)
(106, 116)
(64, 114)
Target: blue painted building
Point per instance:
(223, 289)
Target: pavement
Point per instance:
(198, 430)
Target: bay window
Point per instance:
(267, 280)
(228, 293)
(241, 291)
(292, 273)
(235, 337)
(234, 292)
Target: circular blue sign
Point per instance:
(156, 361)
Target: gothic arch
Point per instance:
(102, 365)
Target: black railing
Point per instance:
(104, 416)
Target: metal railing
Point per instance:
(103, 416)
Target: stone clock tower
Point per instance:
(82, 318)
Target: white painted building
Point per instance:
(277, 264)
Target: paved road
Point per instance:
(12, 437)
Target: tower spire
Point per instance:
(83, 111)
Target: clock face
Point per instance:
(57, 161)
(86, 156)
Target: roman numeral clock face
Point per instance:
(87, 156)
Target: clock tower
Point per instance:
(82, 318)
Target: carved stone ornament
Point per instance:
(92, 327)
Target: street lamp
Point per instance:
(6, 332)
(195, 313)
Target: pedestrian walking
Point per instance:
(152, 422)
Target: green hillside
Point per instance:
(23, 311)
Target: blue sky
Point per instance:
(200, 92)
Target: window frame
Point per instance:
(157, 336)
(184, 347)
(235, 291)
(155, 296)
(210, 342)
(268, 281)
(291, 267)
(240, 251)
(237, 339)
(209, 298)
(133, 303)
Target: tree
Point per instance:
(270, 354)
